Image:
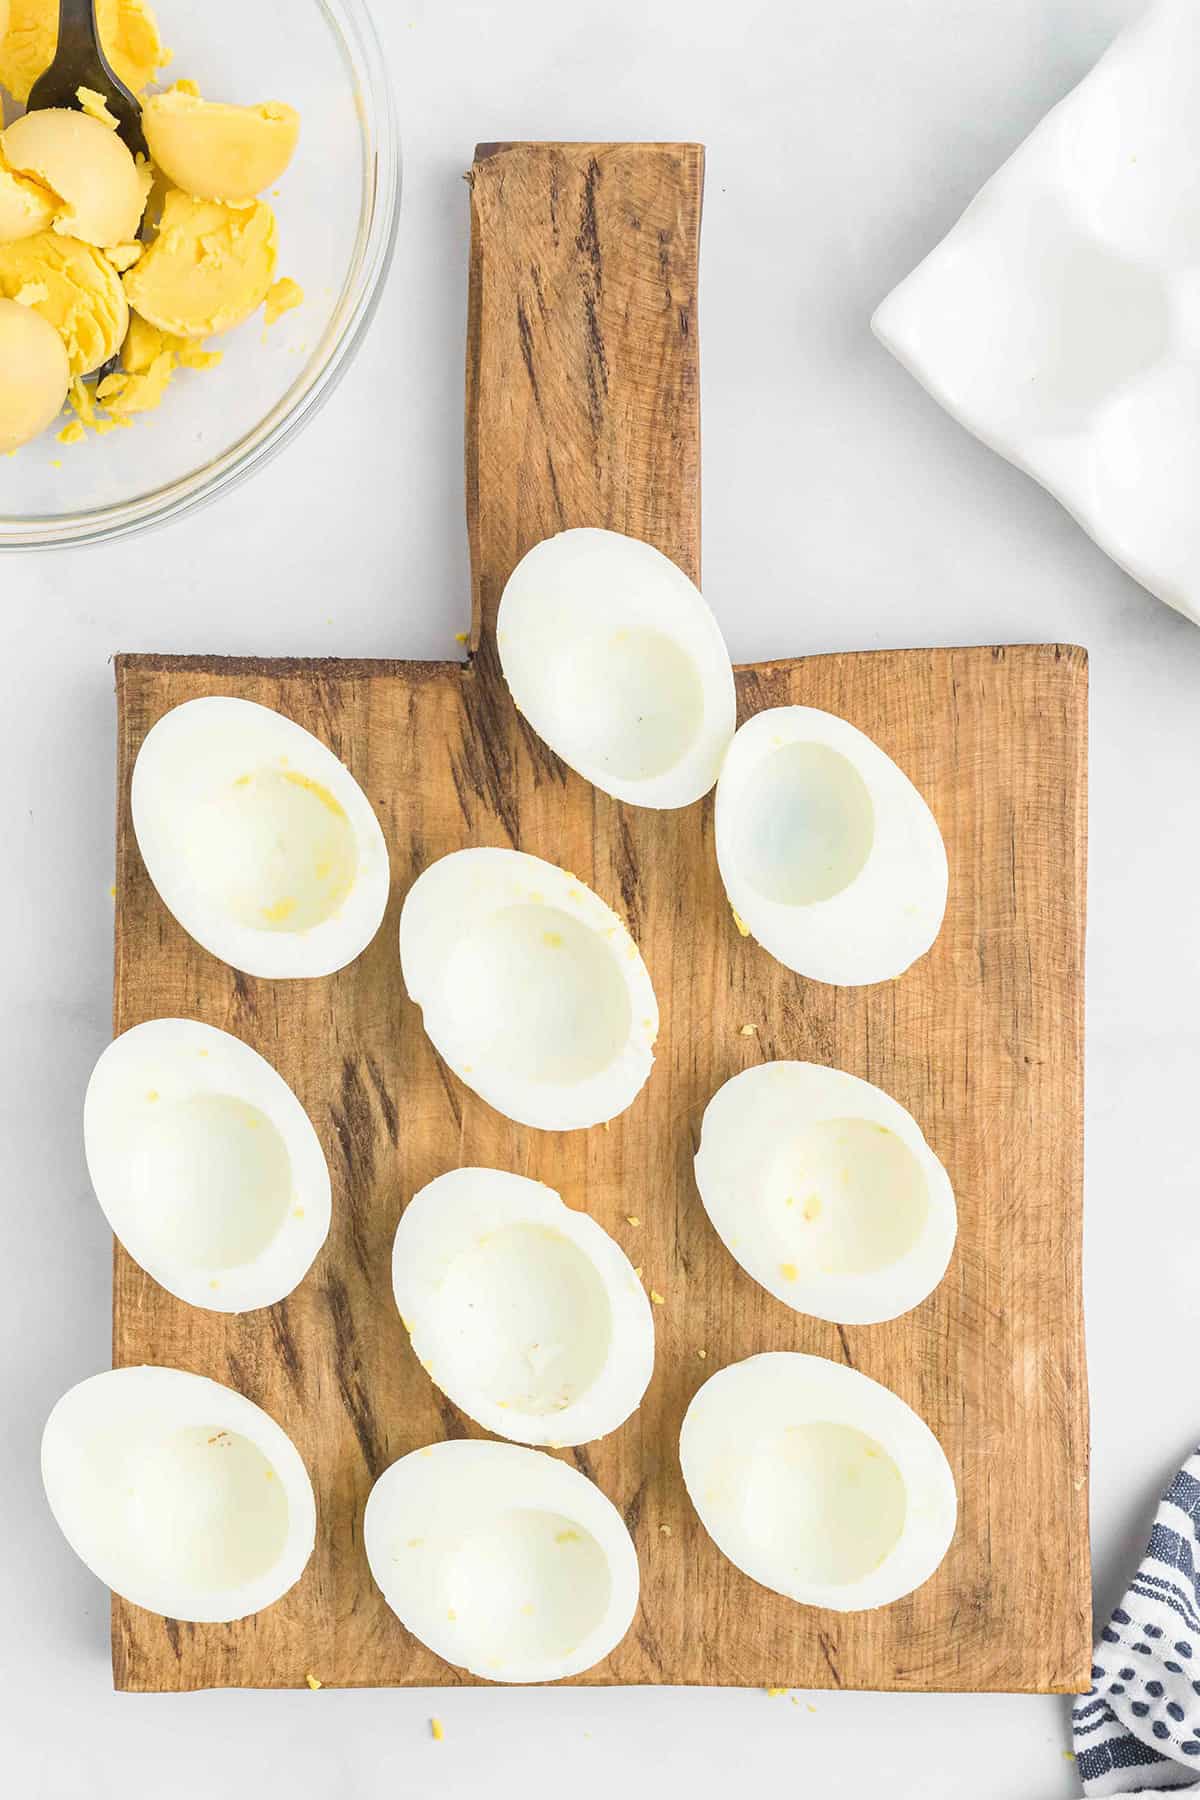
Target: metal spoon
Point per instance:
(79, 61)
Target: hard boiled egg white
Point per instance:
(817, 1482)
(259, 841)
(830, 857)
(615, 660)
(179, 1494)
(530, 988)
(525, 1313)
(502, 1561)
(206, 1165)
(824, 1189)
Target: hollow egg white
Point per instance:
(206, 1165)
(530, 988)
(830, 857)
(824, 1189)
(259, 841)
(503, 1561)
(525, 1312)
(181, 1495)
(616, 661)
(817, 1482)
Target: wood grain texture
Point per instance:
(582, 409)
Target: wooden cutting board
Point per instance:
(582, 408)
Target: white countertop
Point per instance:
(842, 509)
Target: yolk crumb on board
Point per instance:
(749, 1031)
(702, 1354)
(632, 1219)
(666, 1530)
(743, 928)
(657, 1298)
(313, 1683)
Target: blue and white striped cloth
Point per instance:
(1138, 1730)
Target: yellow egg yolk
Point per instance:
(208, 269)
(33, 374)
(81, 294)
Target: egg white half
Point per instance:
(830, 857)
(817, 1482)
(526, 1313)
(259, 841)
(179, 1494)
(614, 658)
(206, 1165)
(530, 988)
(502, 1561)
(824, 1189)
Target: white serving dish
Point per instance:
(1060, 319)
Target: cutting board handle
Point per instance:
(583, 359)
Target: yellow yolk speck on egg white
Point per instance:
(84, 299)
(209, 268)
(128, 32)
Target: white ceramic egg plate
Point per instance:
(1060, 319)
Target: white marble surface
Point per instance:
(842, 508)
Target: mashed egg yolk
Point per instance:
(33, 373)
(74, 288)
(208, 269)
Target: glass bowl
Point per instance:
(337, 206)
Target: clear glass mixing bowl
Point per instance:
(337, 207)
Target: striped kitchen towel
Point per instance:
(1138, 1729)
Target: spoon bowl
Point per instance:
(80, 62)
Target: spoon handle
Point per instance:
(78, 32)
